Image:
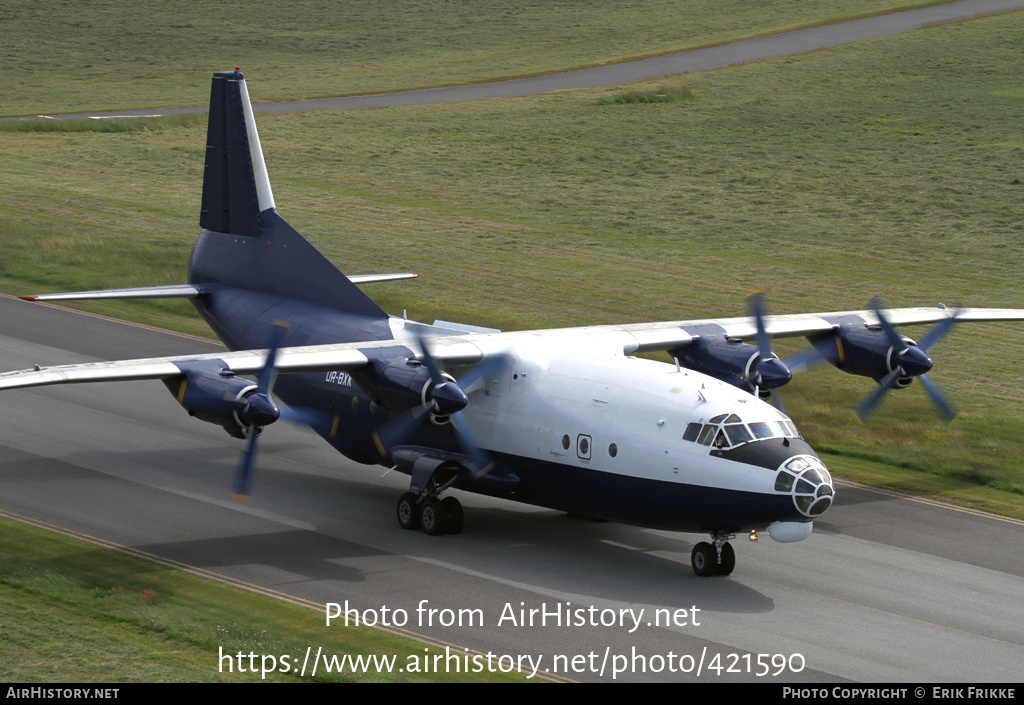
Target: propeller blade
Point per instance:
(398, 429)
(872, 400)
(260, 410)
(428, 359)
(476, 378)
(266, 378)
(482, 462)
(938, 332)
(243, 478)
(755, 302)
(777, 401)
(895, 339)
(307, 416)
(770, 372)
(805, 360)
(942, 404)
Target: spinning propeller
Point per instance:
(445, 397)
(770, 372)
(261, 410)
(908, 361)
(266, 412)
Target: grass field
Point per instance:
(67, 56)
(889, 167)
(74, 615)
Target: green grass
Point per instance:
(666, 94)
(61, 56)
(79, 613)
(109, 125)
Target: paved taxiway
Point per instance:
(887, 588)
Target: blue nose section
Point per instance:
(448, 398)
(260, 410)
(914, 361)
(773, 373)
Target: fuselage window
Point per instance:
(583, 446)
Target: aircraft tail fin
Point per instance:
(236, 187)
(244, 242)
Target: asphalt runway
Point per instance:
(888, 588)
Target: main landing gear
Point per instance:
(716, 558)
(435, 516)
(426, 510)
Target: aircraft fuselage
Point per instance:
(596, 433)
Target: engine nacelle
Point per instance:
(735, 362)
(216, 396)
(402, 383)
(867, 351)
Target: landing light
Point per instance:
(753, 535)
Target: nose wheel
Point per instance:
(716, 558)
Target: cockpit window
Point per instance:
(721, 441)
(738, 433)
(726, 430)
(706, 434)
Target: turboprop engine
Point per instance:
(217, 396)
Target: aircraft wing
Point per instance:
(467, 349)
(676, 334)
(313, 358)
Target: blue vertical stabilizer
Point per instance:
(230, 200)
(244, 242)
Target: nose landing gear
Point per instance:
(714, 559)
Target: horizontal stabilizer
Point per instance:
(464, 327)
(173, 291)
(369, 278)
(180, 291)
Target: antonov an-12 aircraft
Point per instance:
(568, 419)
